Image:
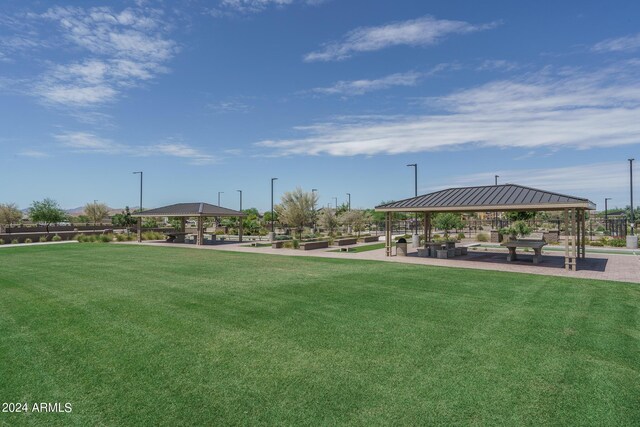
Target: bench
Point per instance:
(176, 237)
(314, 245)
(533, 241)
(367, 239)
(278, 244)
(347, 241)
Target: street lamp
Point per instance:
(631, 185)
(272, 229)
(606, 224)
(349, 204)
(336, 200)
(415, 190)
(240, 191)
(140, 207)
(219, 193)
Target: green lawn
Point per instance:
(134, 335)
(364, 248)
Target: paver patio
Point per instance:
(621, 268)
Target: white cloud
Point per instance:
(360, 87)
(230, 106)
(85, 142)
(565, 108)
(227, 7)
(498, 64)
(123, 50)
(416, 32)
(621, 44)
(592, 178)
(33, 153)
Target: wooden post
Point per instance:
(240, 230)
(387, 231)
(183, 223)
(584, 233)
(578, 232)
(567, 261)
(200, 231)
(427, 227)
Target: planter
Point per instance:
(632, 242)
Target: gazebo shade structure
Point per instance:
(500, 198)
(192, 210)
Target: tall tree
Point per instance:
(123, 219)
(356, 219)
(296, 209)
(46, 211)
(9, 214)
(447, 221)
(96, 211)
(328, 221)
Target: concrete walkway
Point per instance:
(621, 268)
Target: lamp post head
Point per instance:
(413, 164)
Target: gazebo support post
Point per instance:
(427, 227)
(570, 247)
(387, 233)
(584, 233)
(578, 233)
(200, 231)
(183, 224)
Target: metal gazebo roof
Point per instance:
(189, 210)
(505, 197)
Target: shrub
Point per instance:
(42, 239)
(617, 243)
(152, 235)
(56, 238)
(219, 232)
(482, 237)
(296, 244)
(28, 240)
(14, 242)
(121, 237)
(596, 243)
(435, 237)
(105, 238)
(461, 236)
(1, 241)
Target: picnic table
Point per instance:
(536, 245)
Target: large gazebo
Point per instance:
(191, 210)
(499, 198)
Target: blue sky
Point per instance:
(338, 95)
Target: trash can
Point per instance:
(401, 247)
(632, 242)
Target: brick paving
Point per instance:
(621, 268)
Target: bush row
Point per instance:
(42, 239)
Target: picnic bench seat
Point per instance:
(305, 246)
(346, 241)
(278, 244)
(368, 239)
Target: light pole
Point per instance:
(273, 234)
(140, 207)
(415, 194)
(495, 177)
(219, 193)
(631, 186)
(240, 191)
(606, 209)
(336, 200)
(349, 204)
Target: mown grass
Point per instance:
(364, 248)
(134, 335)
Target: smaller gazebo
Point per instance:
(190, 210)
